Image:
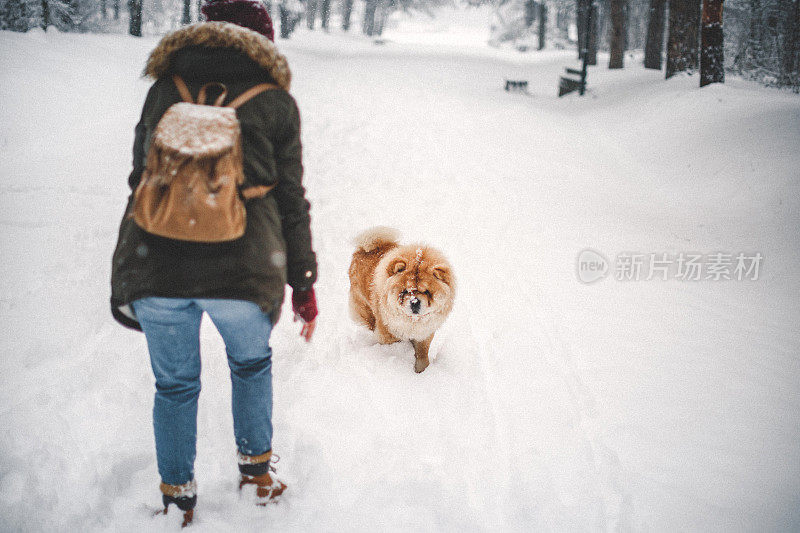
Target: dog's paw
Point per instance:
(420, 365)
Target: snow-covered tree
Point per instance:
(16, 15)
(526, 23)
(66, 15)
(762, 41)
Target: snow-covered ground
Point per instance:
(550, 405)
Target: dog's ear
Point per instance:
(397, 266)
(442, 273)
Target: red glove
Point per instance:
(304, 304)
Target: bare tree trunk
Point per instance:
(790, 54)
(45, 14)
(135, 23)
(562, 21)
(371, 6)
(752, 55)
(638, 16)
(286, 24)
(682, 41)
(381, 14)
(587, 31)
(582, 9)
(347, 13)
(655, 35)
(593, 23)
(187, 12)
(617, 42)
(103, 9)
(712, 67)
(626, 19)
(530, 12)
(542, 24)
(116, 9)
(311, 13)
(325, 13)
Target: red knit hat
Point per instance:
(246, 13)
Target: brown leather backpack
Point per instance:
(191, 186)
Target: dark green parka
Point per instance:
(276, 247)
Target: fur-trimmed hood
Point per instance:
(220, 35)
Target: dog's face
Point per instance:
(419, 282)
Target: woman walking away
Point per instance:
(218, 223)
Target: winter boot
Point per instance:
(255, 470)
(183, 496)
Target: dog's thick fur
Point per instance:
(400, 292)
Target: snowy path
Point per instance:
(550, 405)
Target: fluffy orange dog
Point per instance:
(400, 292)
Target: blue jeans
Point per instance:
(172, 329)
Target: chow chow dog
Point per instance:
(400, 292)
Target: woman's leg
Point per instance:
(246, 330)
(172, 329)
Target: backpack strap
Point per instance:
(183, 90)
(246, 96)
(251, 93)
(257, 191)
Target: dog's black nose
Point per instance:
(415, 305)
